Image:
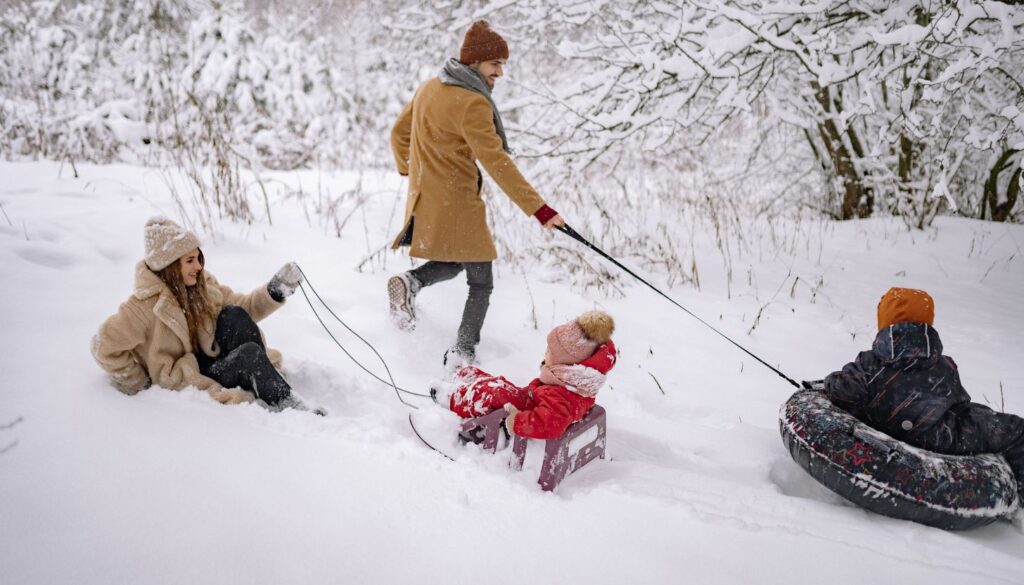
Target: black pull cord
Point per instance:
(565, 229)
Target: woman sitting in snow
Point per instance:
(182, 328)
(579, 355)
(906, 388)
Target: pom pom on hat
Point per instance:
(575, 341)
(482, 44)
(166, 241)
(597, 325)
(899, 305)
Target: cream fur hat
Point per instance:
(166, 241)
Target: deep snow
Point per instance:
(170, 487)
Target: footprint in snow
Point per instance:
(46, 257)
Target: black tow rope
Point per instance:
(565, 229)
(391, 380)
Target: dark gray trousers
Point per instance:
(481, 283)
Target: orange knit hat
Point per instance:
(905, 304)
(482, 44)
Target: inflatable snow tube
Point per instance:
(877, 472)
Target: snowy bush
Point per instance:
(98, 80)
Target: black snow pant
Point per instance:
(481, 283)
(243, 360)
(973, 428)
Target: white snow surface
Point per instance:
(171, 487)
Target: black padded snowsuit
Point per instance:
(906, 388)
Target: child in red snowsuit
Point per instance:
(579, 355)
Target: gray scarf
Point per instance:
(455, 73)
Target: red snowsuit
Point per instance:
(545, 410)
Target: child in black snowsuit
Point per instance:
(906, 388)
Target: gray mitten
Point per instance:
(816, 385)
(284, 283)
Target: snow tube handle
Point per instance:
(867, 434)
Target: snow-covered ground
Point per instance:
(171, 487)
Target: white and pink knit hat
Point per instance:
(575, 341)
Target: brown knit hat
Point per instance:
(166, 241)
(899, 305)
(482, 44)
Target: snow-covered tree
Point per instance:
(896, 100)
(901, 107)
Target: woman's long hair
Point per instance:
(193, 300)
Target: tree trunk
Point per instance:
(990, 200)
(857, 198)
(906, 162)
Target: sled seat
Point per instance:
(560, 458)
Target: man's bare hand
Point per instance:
(554, 222)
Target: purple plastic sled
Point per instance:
(558, 461)
(490, 424)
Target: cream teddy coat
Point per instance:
(147, 339)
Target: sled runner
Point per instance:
(563, 456)
(889, 477)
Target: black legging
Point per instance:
(242, 361)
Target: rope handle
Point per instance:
(567, 230)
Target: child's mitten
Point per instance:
(511, 418)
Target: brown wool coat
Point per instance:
(147, 339)
(436, 141)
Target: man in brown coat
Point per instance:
(450, 124)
